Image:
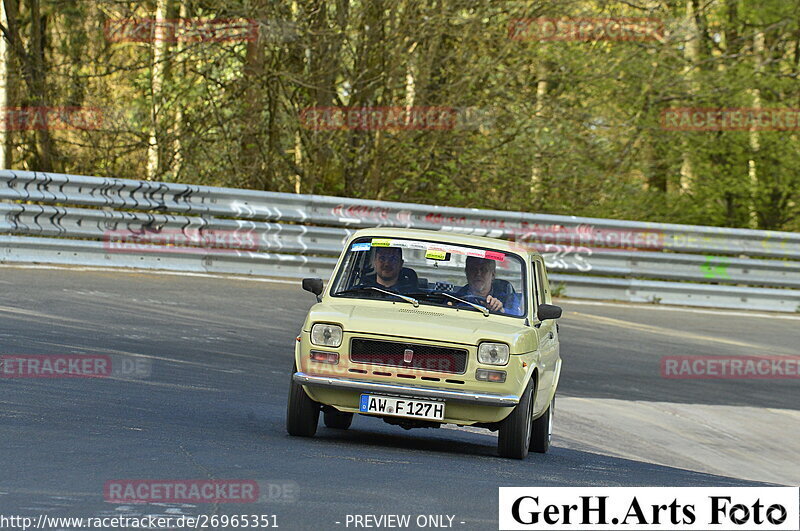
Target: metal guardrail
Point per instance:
(67, 219)
(335, 211)
(45, 220)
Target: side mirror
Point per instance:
(548, 311)
(314, 285)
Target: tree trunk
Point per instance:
(755, 144)
(691, 53)
(154, 160)
(541, 94)
(324, 63)
(298, 162)
(39, 89)
(253, 107)
(74, 18)
(5, 67)
(179, 129)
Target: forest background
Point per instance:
(245, 93)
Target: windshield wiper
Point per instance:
(412, 300)
(478, 307)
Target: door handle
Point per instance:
(550, 335)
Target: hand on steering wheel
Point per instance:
(492, 303)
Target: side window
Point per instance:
(542, 284)
(535, 286)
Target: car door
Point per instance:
(549, 359)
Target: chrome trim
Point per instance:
(483, 399)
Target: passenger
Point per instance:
(389, 271)
(482, 285)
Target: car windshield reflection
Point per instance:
(433, 273)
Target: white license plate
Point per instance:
(402, 407)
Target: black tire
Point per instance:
(337, 420)
(302, 413)
(542, 432)
(514, 435)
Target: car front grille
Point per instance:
(393, 354)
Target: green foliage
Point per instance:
(562, 127)
(559, 290)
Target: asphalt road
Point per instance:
(218, 354)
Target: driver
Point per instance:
(388, 265)
(480, 274)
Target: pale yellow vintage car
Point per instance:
(422, 328)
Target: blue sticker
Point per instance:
(364, 246)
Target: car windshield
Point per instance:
(433, 273)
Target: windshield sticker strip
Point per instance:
(467, 251)
(363, 246)
(438, 247)
(433, 254)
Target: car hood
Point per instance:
(433, 323)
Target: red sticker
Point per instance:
(494, 255)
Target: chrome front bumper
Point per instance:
(483, 399)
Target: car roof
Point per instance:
(447, 237)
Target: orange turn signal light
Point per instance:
(485, 375)
(325, 357)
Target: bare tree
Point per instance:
(160, 36)
(5, 136)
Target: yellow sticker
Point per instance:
(378, 242)
(435, 255)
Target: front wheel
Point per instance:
(542, 432)
(302, 413)
(514, 435)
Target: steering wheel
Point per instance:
(474, 298)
